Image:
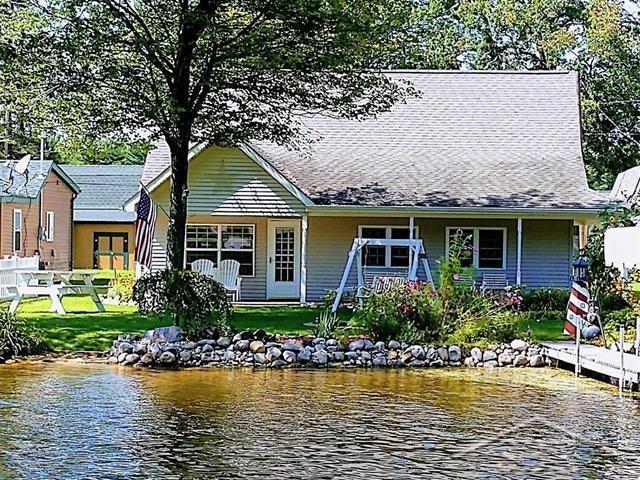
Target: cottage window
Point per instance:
(381, 255)
(17, 230)
(489, 246)
(49, 225)
(222, 242)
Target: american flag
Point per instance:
(145, 228)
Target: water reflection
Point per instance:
(70, 421)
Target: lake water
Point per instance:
(67, 421)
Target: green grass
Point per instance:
(545, 326)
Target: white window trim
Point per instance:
(49, 226)
(476, 245)
(389, 228)
(219, 248)
(17, 228)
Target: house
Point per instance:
(497, 155)
(36, 211)
(103, 233)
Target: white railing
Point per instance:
(9, 268)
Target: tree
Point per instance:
(220, 71)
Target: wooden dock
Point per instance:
(597, 359)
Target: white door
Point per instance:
(283, 260)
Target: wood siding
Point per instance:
(56, 197)
(547, 253)
(83, 241)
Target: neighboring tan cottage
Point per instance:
(36, 211)
(103, 233)
(496, 155)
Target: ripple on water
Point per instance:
(62, 421)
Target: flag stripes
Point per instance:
(145, 229)
(577, 308)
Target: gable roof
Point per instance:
(105, 188)
(15, 186)
(472, 140)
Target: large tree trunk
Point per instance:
(178, 207)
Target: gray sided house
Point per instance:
(495, 154)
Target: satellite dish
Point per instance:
(23, 163)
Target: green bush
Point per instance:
(498, 328)
(384, 315)
(121, 286)
(18, 336)
(326, 324)
(196, 303)
(545, 299)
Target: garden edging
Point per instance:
(165, 348)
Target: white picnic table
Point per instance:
(55, 285)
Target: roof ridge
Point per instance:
(486, 72)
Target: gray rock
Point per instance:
(320, 347)
(356, 345)
(304, 356)
(490, 364)
(207, 349)
(379, 346)
(131, 358)
(185, 355)
(431, 354)
(155, 349)
(318, 340)
(223, 342)
(536, 361)
(519, 345)
(521, 361)
(417, 352)
(257, 346)
(167, 358)
(379, 362)
(332, 342)
(242, 345)
(338, 356)
(170, 334)
(273, 354)
(406, 356)
(259, 358)
(229, 356)
(321, 358)
(505, 359)
(533, 351)
(476, 353)
(489, 355)
(364, 355)
(279, 363)
(189, 346)
(112, 360)
(351, 355)
(290, 347)
(437, 363)
(393, 345)
(147, 358)
(140, 349)
(443, 353)
(236, 338)
(455, 354)
(470, 362)
(125, 347)
(122, 357)
(417, 363)
(289, 356)
(368, 344)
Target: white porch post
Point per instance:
(411, 227)
(519, 257)
(303, 259)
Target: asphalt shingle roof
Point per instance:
(472, 139)
(27, 185)
(105, 189)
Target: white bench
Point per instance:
(494, 281)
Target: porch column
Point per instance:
(303, 259)
(411, 227)
(519, 254)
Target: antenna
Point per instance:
(22, 165)
(41, 152)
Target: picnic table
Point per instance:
(55, 285)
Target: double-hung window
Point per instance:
(385, 255)
(217, 242)
(48, 227)
(489, 246)
(17, 230)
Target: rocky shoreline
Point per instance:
(164, 347)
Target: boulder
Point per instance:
(112, 360)
(223, 342)
(443, 353)
(338, 356)
(393, 345)
(455, 354)
(332, 342)
(279, 363)
(246, 335)
(229, 356)
(520, 361)
(379, 346)
(167, 358)
(351, 355)
(393, 354)
(519, 345)
(125, 347)
(490, 364)
(536, 361)
(417, 352)
(147, 358)
(259, 358)
(207, 349)
(273, 354)
(257, 346)
(122, 357)
(304, 356)
(368, 344)
(289, 356)
(470, 362)
(321, 358)
(189, 346)
(242, 345)
(155, 349)
(140, 349)
(489, 355)
(379, 362)
(318, 340)
(532, 351)
(356, 345)
(505, 359)
(431, 354)
(290, 347)
(406, 356)
(259, 334)
(364, 356)
(437, 363)
(476, 353)
(170, 334)
(185, 355)
(417, 363)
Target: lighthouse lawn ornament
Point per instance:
(579, 310)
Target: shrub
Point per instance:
(196, 303)
(326, 324)
(498, 328)
(384, 315)
(18, 337)
(122, 285)
(545, 299)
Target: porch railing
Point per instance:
(9, 269)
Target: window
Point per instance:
(489, 246)
(222, 242)
(383, 255)
(17, 230)
(48, 227)
(111, 250)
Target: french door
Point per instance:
(283, 260)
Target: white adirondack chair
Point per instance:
(228, 275)
(204, 266)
